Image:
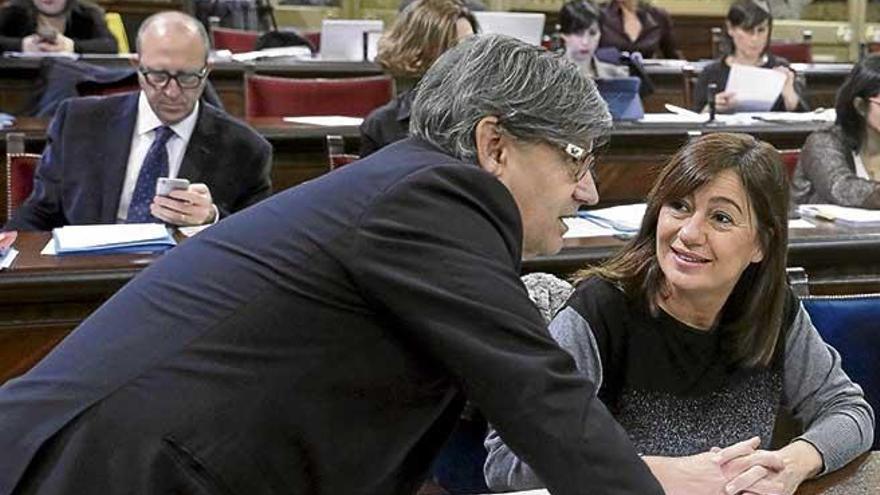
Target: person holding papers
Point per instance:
(105, 155)
(54, 26)
(841, 165)
(748, 27)
(696, 341)
(420, 34)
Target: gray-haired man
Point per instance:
(324, 341)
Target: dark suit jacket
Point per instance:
(320, 342)
(654, 41)
(386, 124)
(80, 176)
(85, 26)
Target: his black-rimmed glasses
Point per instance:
(159, 79)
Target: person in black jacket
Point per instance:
(54, 26)
(324, 341)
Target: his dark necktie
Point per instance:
(155, 165)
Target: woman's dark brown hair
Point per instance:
(422, 32)
(753, 313)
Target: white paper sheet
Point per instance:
(7, 260)
(580, 227)
(800, 223)
(326, 120)
(756, 89)
(673, 118)
(528, 492)
(300, 52)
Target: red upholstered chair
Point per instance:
(336, 155)
(790, 160)
(20, 169)
(234, 40)
(267, 96)
(801, 52)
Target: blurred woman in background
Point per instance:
(54, 26)
(841, 165)
(748, 27)
(581, 30)
(422, 32)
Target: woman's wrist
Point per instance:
(802, 458)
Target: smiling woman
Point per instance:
(696, 342)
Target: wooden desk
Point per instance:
(838, 260)
(42, 298)
(860, 477)
(626, 168)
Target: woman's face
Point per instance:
(50, 7)
(871, 112)
(581, 46)
(749, 43)
(707, 239)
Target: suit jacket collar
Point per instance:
(196, 157)
(119, 130)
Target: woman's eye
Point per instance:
(723, 218)
(679, 205)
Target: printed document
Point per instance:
(756, 89)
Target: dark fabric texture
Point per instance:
(654, 41)
(675, 400)
(80, 176)
(318, 347)
(717, 72)
(85, 26)
(386, 124)
(826, 173)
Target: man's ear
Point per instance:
(489, 145)
(135, 60)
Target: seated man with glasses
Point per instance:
(105, 154)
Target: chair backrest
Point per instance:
(20, 167)
(790, 160)
(117, 29)
(800, 52)
(849, 324)
(336, 155)
(234, 40)
(267, 96)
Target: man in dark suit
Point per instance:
(104, 154)
(324, 340)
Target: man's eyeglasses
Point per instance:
(159, 79)
(581, 161)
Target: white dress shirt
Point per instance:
(142, 139)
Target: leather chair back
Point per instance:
(849, 324)
(234, 40)
(267, 96)
(20, 169)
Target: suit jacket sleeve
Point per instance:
(42, 210)
(13, 22)
(256, 184)
(438, 254)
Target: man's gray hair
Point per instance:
(537, 96)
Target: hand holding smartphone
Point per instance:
(164, 185)
(47, 34)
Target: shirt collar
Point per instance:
(148, 121)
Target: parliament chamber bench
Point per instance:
(20, 79)
(625, 170)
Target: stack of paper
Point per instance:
(7, 252)
(756, 89)
(113, 238)
(621, 220)
(326, 120)
(853, 217)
